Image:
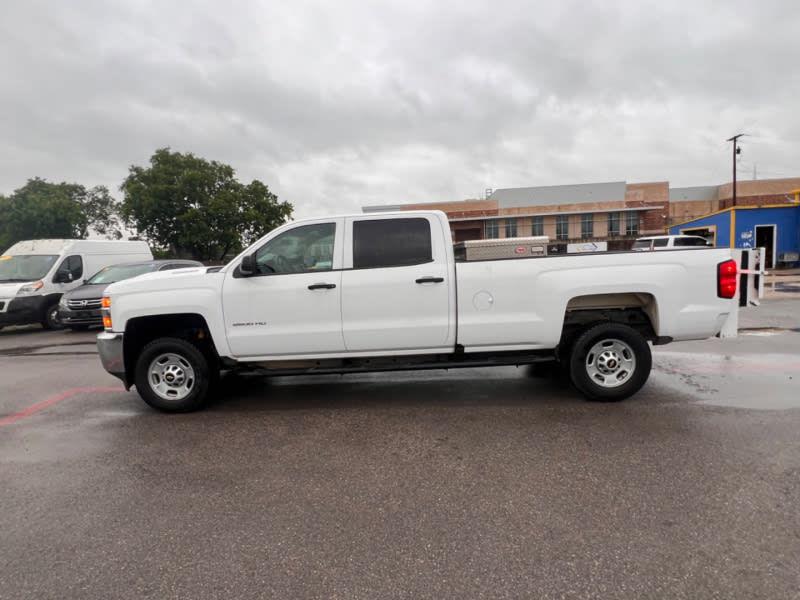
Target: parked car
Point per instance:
(80, 307)
(671, 242)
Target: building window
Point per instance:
(587, 226)
(613, 224)
(511, 228)
(492, 230)
(562, 227)
(631, 223)
(537, 225)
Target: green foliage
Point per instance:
(41, 209)
(189, 206)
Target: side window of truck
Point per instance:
(660, 242)
(300, 250)
(391, 243)
(71, 269)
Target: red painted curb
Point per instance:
(42, 405)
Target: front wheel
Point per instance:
(50, 318)
(173, 375)
(610, 362)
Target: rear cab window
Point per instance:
(391, 243)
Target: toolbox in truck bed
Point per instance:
(519, 247)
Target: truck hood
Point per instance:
(9, 290)
(175, 279)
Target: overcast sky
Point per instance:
(340, 104)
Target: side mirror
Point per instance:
(248, 265)
(64, 277)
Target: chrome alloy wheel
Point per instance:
(610, 363)
(171, 376)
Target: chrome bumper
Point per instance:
(109, 346)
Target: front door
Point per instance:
(291, 306)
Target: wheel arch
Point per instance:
(140, 331)
(638, 310)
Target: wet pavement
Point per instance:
(481, 483)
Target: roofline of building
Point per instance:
(550, 214)
(730, 208)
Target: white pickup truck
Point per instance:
(378, 292)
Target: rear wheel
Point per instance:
(610, 362)
(173, 375)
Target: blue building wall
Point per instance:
(744, 220)
(719, 221)
(787, 227)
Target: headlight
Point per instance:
(30, 288)
(63, 302)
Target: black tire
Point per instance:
(610, 362)
(50, 318)
(173, 375)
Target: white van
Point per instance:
(671, 242)
(35, 273)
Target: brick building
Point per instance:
(612, 212)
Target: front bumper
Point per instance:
(69, 317)
(109, 346)
(22, 310)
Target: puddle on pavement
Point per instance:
(70, 349)
(753, 381)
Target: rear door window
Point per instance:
(391, 243)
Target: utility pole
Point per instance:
(736, 150)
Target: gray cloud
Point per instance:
(337, 105)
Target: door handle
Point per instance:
(322, 286)
(430, 280)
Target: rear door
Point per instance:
(397, 288)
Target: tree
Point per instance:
(189, 206)
(41, 209)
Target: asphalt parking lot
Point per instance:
(481, 483)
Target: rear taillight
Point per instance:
(726, 279)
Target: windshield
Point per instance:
(25, 267)
(120, 272)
